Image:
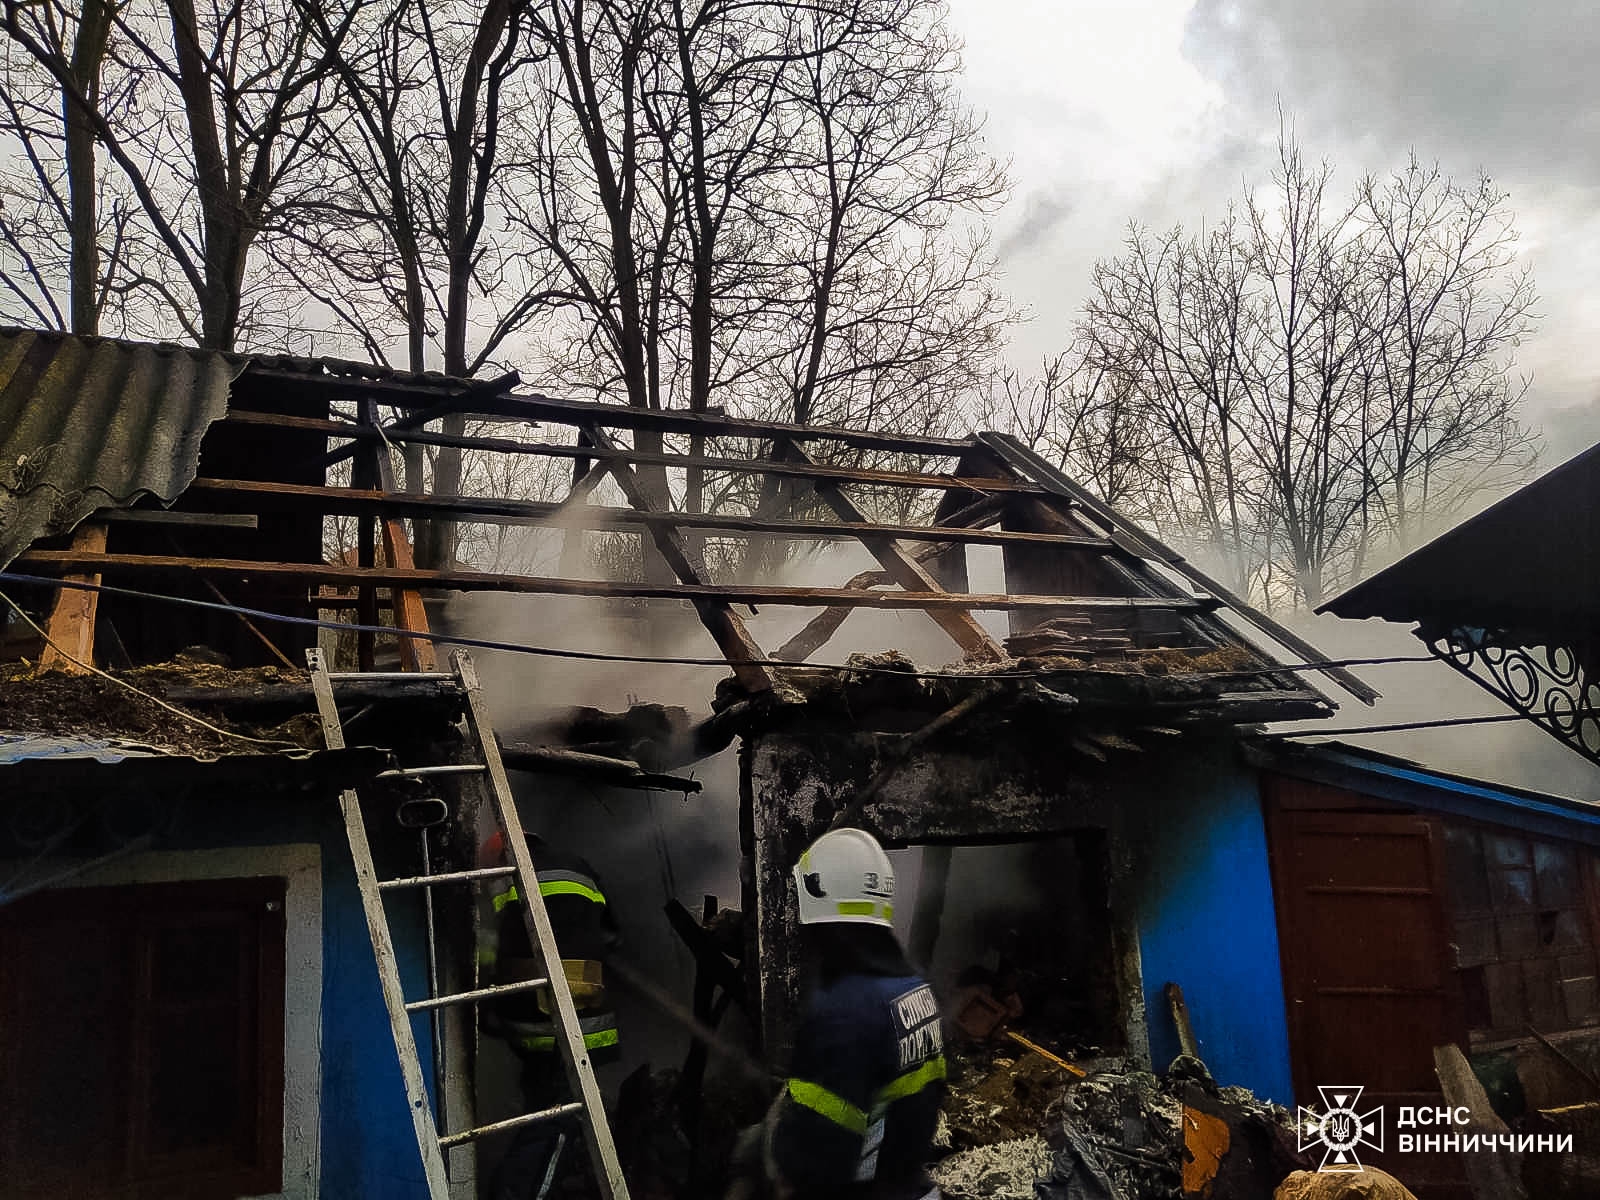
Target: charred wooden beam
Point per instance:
(618, 416)
(716, 614)
(495, 511)
(338, 574)
(297, 697)
(582, 455)
(186, 520)
(905, 570)
(598, 768)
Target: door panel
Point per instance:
(1365, 958)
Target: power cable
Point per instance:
(650, 659)
(1438, 723)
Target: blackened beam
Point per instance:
(538, 408)
(613, 772)
(716, 614)
(397, 432)
(490, 510)
(670, 420)
(544, 408)
(1135, 541)
(905, 570)
(816, 632)
(338, 574)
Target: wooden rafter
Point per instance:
(72, 617)
(494, 511)
(716, 614)
(910, 574)
(416, 654)
(816, 632)
(343, 575)
(961, 481)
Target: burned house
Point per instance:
(1062, 777)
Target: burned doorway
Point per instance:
(1022, 929)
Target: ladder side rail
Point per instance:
(382, 945)
(569, 1036)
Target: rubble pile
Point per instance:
(1013, 1123)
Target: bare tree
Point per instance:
(1312, 376)
(201, 116)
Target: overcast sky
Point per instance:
(1160, 109)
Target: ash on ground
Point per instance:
(1016, 1122)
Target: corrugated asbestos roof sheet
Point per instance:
(87, 423)
(1530, 565)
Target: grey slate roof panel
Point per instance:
(89, 423)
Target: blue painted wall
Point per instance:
(1203, 893)
(368, 1147)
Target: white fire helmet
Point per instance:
(845, 878)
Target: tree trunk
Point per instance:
(88, 52)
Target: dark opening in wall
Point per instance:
(1030, 918)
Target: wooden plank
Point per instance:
(187, 520)
(416, 654)
(726, 629)
(71, 624)
(533, 407)
(959, 482)
(802, 597)
(495, 511)
(905, 570)
(620, 416)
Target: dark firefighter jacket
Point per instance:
(585, 932)
(864, 1093)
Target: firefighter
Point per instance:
(855, 1120)
(585, 932)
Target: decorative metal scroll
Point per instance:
(1553, 686)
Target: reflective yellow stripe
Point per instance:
(866, 908)
(565, 887)
(828, 1104)
(558, 887)
(591, 1041)
(913, 1081)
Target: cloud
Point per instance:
(1507, 86)
(1042, 214)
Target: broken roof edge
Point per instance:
(88, 423)
(1404, 781)
(1144, 545)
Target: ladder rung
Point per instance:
(499, 989)
(356, 676)
(533, 1118)
(446, 769)
(410, 881)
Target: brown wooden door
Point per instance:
(1366, 969)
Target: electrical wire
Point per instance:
(651, 659)
(1437, 723)
(123, 683)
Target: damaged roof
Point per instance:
(40, 765)
(1084, 588)
(87, 423)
